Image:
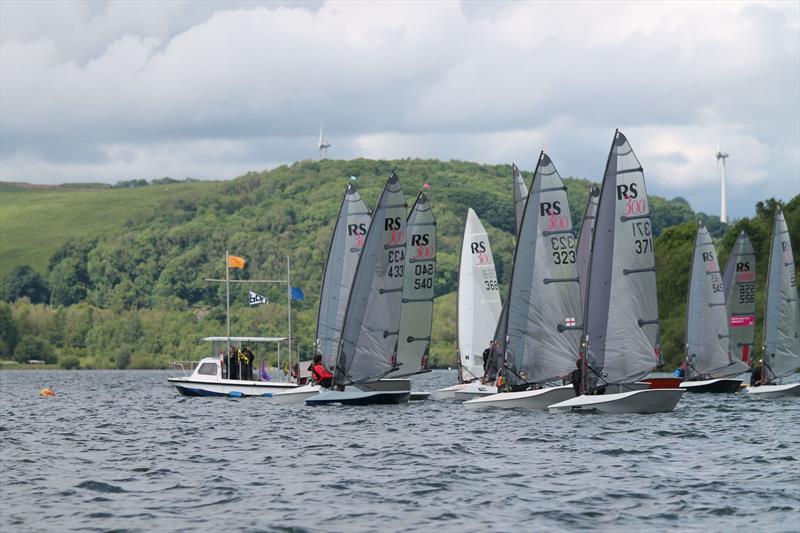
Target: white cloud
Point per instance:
(122, 90)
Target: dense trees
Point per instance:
(137, 295)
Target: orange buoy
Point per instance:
(47, 392)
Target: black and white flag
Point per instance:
(256, 299)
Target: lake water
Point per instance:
(121, 450)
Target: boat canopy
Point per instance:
(245, 339)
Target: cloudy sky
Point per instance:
(93, 91)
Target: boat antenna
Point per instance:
(323, 144)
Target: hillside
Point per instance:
(128, 266)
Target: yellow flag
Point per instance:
(234, 261)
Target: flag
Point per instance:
(256, 299)
(353, 178)
(234, 261)
(297, 294)
(569, 322)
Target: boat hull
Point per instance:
(448, 393)
(535, 400)
(474, 390)
(714, 386)
(646, 401)
(663, 380)
(359, 397)
(232, 388)
(418, 396)
(297, 395)
(774, 391)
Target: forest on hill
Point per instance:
(129, 289)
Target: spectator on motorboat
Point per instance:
(233, 363)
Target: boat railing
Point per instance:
(182, 369)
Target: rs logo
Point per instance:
(478, 247)
(627, 191)
(546, 208)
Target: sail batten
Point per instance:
(781, 352)
(345, 248)
(479, 306)
(369, 332)
(621, 324)
(541, 302)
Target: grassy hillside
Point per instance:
(126, 268)
(35, 221)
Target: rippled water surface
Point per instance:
(122, 450)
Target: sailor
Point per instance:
(680, 372)
(320, 374)
(233, 363)
(757, 375)
(577, 376)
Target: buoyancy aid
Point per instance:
(319, 372)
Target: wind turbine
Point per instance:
(723, 209)
(323, 145)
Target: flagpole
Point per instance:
(289, 296)
(228, 299)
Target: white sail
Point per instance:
(416, 312)
(781, 356)
(707, 339)
(479, 304)
(520, 197)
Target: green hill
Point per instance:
(126, 267)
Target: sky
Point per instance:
(109, 91)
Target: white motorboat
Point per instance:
(537, 400)
(646, 401)
(206, 380)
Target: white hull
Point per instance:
(448, 393)
(418, 396)
(297, 395)
(538, 400)
(229, 387)
(774, 391)
(641, 401)
(474, 390)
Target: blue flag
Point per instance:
(297, 294)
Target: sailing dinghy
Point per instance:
(620, 326)
(739, 280)
(479, 306)
(781, 352)
(709, 366)
(369, 340)
(542, 329)
(416, 310)
(340, 266)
